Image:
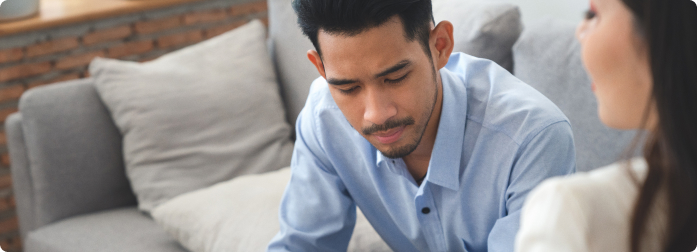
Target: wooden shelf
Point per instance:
(53, 13)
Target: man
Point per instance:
(437, 150)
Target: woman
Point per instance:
(642, 58)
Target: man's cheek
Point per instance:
(353, 115)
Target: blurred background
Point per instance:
(535, 10)
(57, 44)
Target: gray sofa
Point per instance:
(69, 181)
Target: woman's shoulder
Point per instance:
(607, 192)
(587, 211)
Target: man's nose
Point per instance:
(378, 107)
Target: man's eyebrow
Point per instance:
(340, 81)
(399, 66)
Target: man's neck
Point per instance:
(417, 162)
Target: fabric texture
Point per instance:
(74, 153)
(486, 30)
(115, 230)
(497, 139)
(197, 116)
(590, 212)
(240, 215)
(548, 57)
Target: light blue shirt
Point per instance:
(497, 139)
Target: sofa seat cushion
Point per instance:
(119, 230)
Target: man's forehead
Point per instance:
(378, 46)
(391, 31)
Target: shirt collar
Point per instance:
(444, 167)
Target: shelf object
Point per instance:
(17, 9)
(54, 13)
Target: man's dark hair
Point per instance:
(351, 17)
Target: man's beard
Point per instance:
(404, 150)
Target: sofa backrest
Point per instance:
(548, 57)
(289, 49)
(74, 154)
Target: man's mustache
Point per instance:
(390, 124)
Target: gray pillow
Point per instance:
(486, 30)
(197, 116)
(548, 57)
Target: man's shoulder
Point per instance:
(499, 101)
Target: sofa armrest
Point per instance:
(21, 180)
(66, 155)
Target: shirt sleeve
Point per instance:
(316, 212)
(548, 153)
(552, 220)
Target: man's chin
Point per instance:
(399, 151)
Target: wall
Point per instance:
(43, 57)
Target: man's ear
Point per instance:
(442, 43)
(316, 60)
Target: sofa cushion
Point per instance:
(197, 116)
(123, 229)
(486, 30)
(547, 57)
(241, 215)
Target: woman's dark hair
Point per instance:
(669, 28)
(351, 17)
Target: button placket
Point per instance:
(429, 219)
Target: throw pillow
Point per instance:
(485, 30)
(197, 116)
(241, 215)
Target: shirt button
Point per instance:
(425, 210)
(392, 161)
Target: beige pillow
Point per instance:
(241, 215)
(197, 116)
